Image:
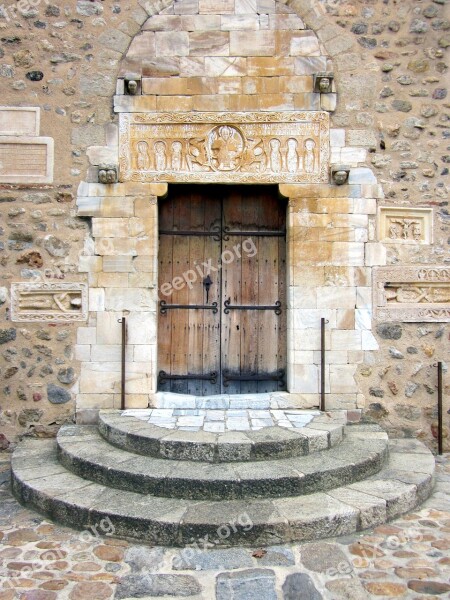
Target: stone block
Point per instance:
(296, 84)
(304, 357)
(96, 299)
(164, 86)
(245, 7)
(243, 102)
(201, 22)
(115, 247)
(142, 328)
(210, 43)
(311, 253)
(164, 23)
(337, 357)
(195, 66)
(304, 43)
(309, 339)
(112, 280)
(345, 340)
(310, 318)
(238, 22)
(252, 43)
(221, 66)
(95, 381)
(348, 254)
(362, 137)
(115, 39)
(107, 228)
(82, 352)
(118, 299)
(363, 297)
(342, 379)
(353, 156)
(90, 264)
(363, 318)
(110, 353)
(273, 66)
(305, 379)
(86, 335)
(145, 353)
(309, 65)
(336, 297)
(116, 207)
(345, 318)
(169, 103)
(290, 22)
(216, 7)
(276, 102)
(118, 264)
(368, 341)
(26, 159)
(366, 206)
(187, 7)
(98, 401)
(172, 43)
(229, 85)
(376, 254)
(109, 330)
(328, 102)
(337, 137)
(128, 104)
(307, 101)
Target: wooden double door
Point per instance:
(222, 290)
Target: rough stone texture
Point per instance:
(300, 585)
(253, 584)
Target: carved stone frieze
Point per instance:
(411, 294)
(405, 225)
(52, 302)
(225, 147)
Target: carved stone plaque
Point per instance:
(26, 159)
(398, 225)
(16, 120)
(283, 147)
(411, 294)
(53, 302)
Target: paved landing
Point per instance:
(219, 421)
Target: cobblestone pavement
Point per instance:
(408, 558)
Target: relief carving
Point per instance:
(412, 294)
(54, 302)
(405, 225)
(228, 147)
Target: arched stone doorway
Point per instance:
(189, 72)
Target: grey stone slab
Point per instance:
(234, 446)
(187, 445)
(300, 586)
(211, 560)
(203, 481)
(277, 442)
(234, 523)
(142, 558)
(372, 510)
(317, 516)
(400, 497)
(346, 589)
(420, 463)
(268, 479)
(251, 584)
(408, 445)
(157, 585)
(335, 431)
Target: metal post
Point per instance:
(123, 321)
(322, 364)
(439, 366)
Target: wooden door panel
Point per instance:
(246, 264)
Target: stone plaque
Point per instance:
(405, 225)
(26, 159)
(414, 294)
(264, 147)
(53, 302)
(19, 120)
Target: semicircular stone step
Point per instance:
(130, 433)
(83, 451)
(42, 483)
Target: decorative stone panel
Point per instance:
(409, 225)
(19, 121)
(53, 302)
(225, 147)
(412, 294)
(26, 159)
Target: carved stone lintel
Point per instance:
(225, 147)
(49, 302)
(411, 294)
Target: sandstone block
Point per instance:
(244, 22)
(169, 103)
(336, 297)
(118, 264)
(273, 66)
(345, 340)
(233, 66)
(342, 379)
(252, 43)
(304, 43)
(210, 43)
(195, 66)
(168, 86)
(201, 22)
(171, 43)
(163, 23)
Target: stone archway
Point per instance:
(210, 74)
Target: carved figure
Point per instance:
(275, 155)
(65, 301)
(325, 85)
(292, 155)
(254, 157)
(143, 158)
(177, 157)
(310, 159)
(196, 157)
(417, 231)
(226, 146)
(340, 177)
(160, 156)
(393, 231)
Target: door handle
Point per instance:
(207, 283)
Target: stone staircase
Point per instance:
(262, 487)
